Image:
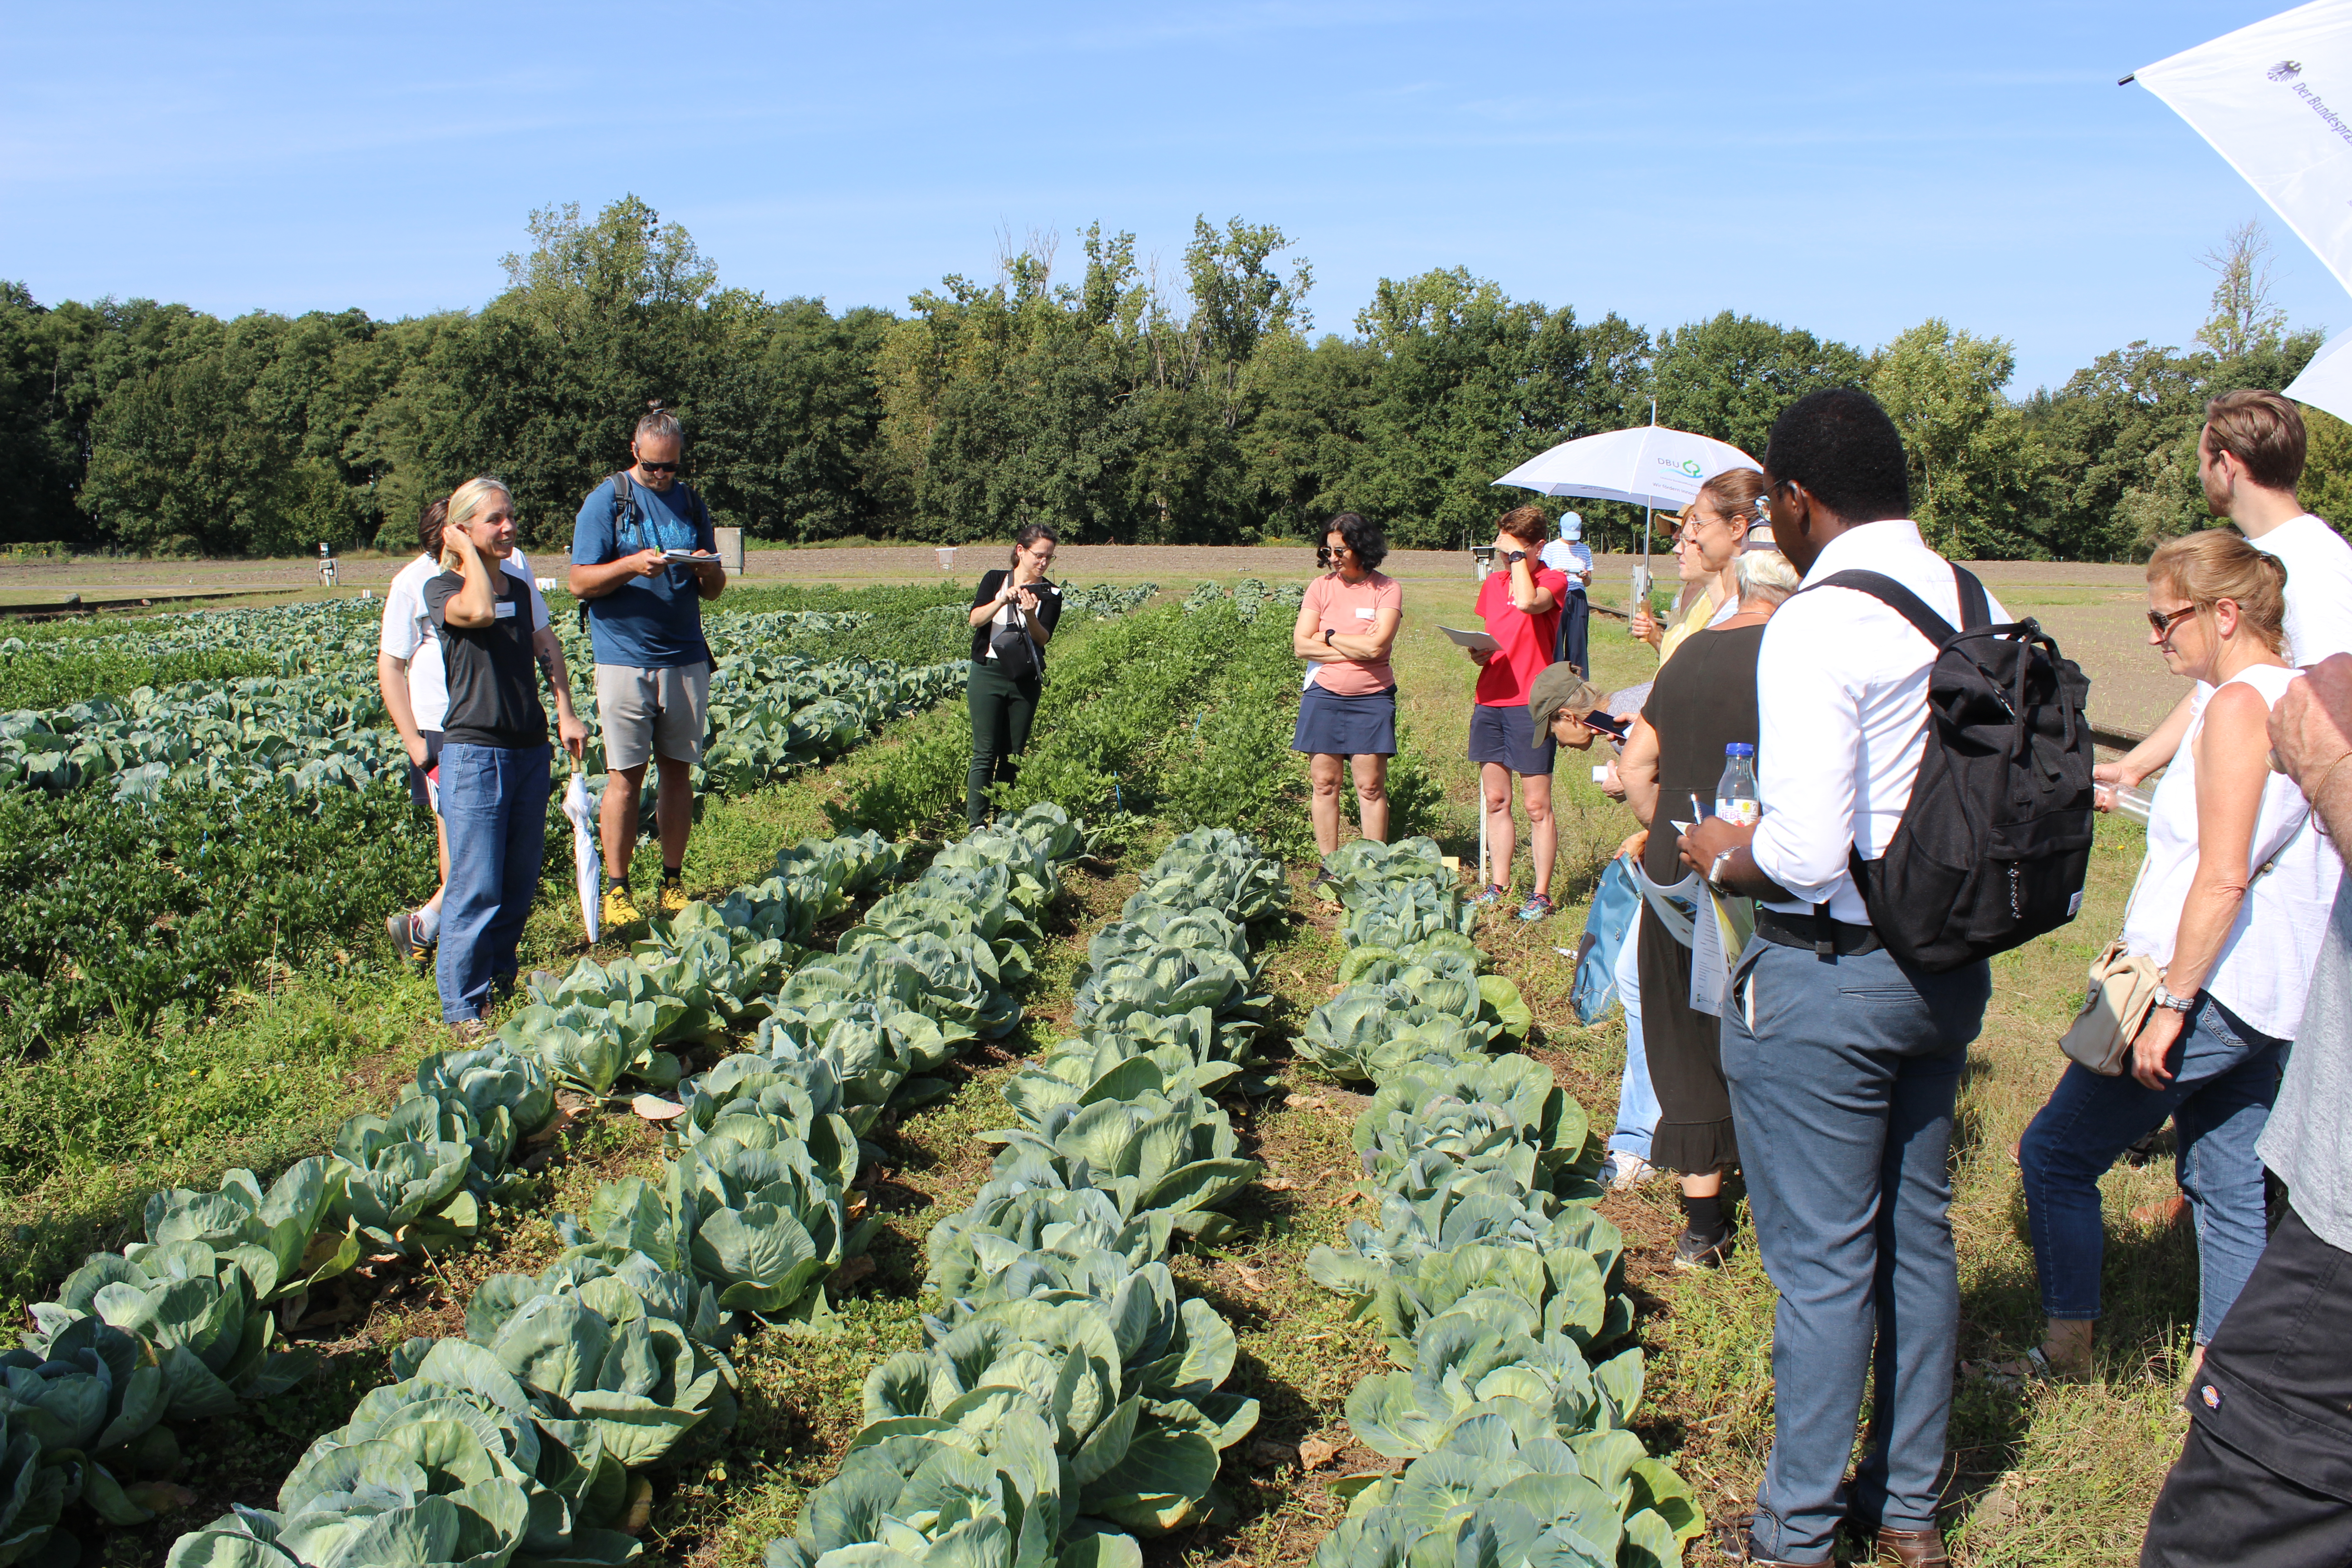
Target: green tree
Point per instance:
(1730, 376)
(1971, 462)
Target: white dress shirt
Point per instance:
(1841, 701)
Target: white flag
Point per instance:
(2275, 100)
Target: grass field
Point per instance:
(2041, 1473)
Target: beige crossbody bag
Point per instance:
(2122, 990)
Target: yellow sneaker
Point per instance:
(620, 909)
(672, 897)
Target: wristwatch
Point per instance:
(2171, 1004)
(1715, 867)
(1515, 556)
(1329, 633)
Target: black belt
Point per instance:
(1845, 939)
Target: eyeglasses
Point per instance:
(2162, 624)
(1324, 554)
(658, 468)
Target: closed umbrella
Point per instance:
(587, 859)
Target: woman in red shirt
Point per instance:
(1346, 623)
(1520, 605)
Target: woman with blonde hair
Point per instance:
(494, 760)
(2232, 904)
(1708, 538)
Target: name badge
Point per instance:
(1363, 614)
(503, 610)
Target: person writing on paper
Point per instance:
(1520, 602)
(1704, 702)
(653, 665)
(2232, 902)
(1347, 714)
(2250, 458)
(1708, 537)
(494, 762)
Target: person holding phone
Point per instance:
(494, 762)
(643, 558)
(1013, 613)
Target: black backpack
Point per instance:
(1993, 847)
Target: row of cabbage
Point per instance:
(1495, 1286)
(1068, 1401)
(184, 1325)
(569, 1384)
(322, 723)
(1250, 596)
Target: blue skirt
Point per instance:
(1335, 726)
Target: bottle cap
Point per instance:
(1739, 749)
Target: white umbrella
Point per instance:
(587, 859)
(2272, 99)
(1649, 466)
(2326, 381)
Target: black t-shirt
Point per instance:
(1049, 611)
(493, 679)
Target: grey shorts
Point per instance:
(648, 713)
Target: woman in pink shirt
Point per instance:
(1346, 624)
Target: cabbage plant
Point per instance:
(1010, 1221)
(1477, 1359)
(1216, 868)
(276, 1237)
(1506, 1106)
(1375, 1031)
(196, 1313)
(1566, 1279)
(1142, 1442)
(1154, 1150)
(1495, 1495)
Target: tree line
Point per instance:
(1092, 393)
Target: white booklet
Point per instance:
(1479, 641)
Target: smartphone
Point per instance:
(1615, 729)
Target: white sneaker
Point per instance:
(1628, 1170)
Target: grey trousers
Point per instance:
(1844, 1072)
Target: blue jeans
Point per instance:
(1844, 1073)
(494, 804)
(1637, 1102)
(2224, 1078)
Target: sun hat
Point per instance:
(1559, 686)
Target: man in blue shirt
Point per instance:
(653, 668)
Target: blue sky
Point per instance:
(1851, 169)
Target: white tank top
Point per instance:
(2266, 960)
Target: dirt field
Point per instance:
(2093, 611)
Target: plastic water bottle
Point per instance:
(2125, 802)
(1735, 793)
(1639, 599)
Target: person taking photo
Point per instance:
(643, 561)
(1013, 613)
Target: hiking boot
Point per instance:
(1694, 1251)
(620, 909)
(407, 933)
(671, 900)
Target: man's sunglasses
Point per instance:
(658, 468)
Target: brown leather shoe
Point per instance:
(1911, 1548)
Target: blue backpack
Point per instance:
(1616, 903)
